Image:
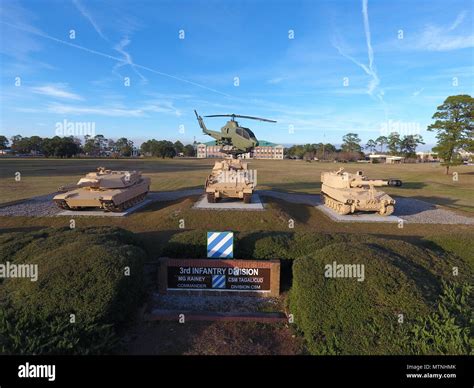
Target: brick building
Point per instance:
(265, 150)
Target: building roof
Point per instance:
(386, 157)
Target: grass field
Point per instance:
(427, 182)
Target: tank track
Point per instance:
(338, 207)
(211, 198)
(62, 204)
(112, 207)
(345, 209)
(387, 210)
(247, 198)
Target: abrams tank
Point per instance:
(230, 178)
(347, 193)
(113, 191)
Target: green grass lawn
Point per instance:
(423, 181)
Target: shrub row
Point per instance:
(96, 274)
(345, 316)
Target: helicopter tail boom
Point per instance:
(214, 134)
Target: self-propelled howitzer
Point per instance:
(347, 193)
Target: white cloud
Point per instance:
(458, 21)
(275, 81)
(417, 92)
(439, 38)
(374, 82)
(89, 17)
(57, 91)
(116, 110)
(121, 60)
(127, 58)
(94, 110)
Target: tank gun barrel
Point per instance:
(376, 182)
(73, 186)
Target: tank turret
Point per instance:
(347, 193)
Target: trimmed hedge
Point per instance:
(80, 272)
(256, 245)
(190, 244)
(344, 316)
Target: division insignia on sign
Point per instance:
(220, 245)
(218, 281)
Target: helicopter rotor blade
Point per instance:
(243, 117)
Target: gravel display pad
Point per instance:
(421, 212)
(410, 210)
(42, 206)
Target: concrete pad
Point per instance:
(357, 217)
(230, 204)
(102, 213)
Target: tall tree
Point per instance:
(351, 143)
(91, 147)
(409, 144)
(381, 141)
(189, 150)
(179, 147)
(371, 145)
(124, 146)
(393, 143)
(455, 127)
(3, 142)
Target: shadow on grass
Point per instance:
(298, 212)
(161, 204)
(295, 187)
(21, 230)
(412, 185)
(155, 241)
(443, 201)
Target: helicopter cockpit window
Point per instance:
(239, 131)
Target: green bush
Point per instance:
(191, 244)
(447, 330)
(29, 334)
(80, 272)
(256, 245)
(263, 245)
(345, 316)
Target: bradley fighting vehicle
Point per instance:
(230, 178)
(346, 193)
(113, 191)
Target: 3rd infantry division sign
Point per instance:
(220, 276)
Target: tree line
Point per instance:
(351, 148)
(166, 149)
(96, 146)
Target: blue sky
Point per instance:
(352, 66)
